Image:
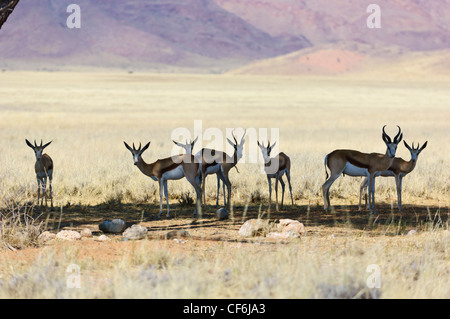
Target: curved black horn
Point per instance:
(41, 143)
(134, 147)
(386, 137)
(235, 140)
(399, 135)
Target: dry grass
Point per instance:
(88, 115)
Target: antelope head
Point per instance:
(266, 150)
(392, 145)
(238, 147)
(415, 151)
(37, 149)
(188, 147)
(137, 153)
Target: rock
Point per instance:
(103, 238)
(86, 232)
(411, 232)
(288, 228)
(70, 235)
(222, 213)
(113, 226)
(283, 235)
(177, 234)
(254, 227)
(135, 232)
(46, 236)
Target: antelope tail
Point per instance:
(325, 164)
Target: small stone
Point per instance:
(86, 232)
(411, 232)
(47, 236)
(254, 227)
(70, 235)
(135, 232)
(113, 226)
(103, 238)
(177, 234)
(222, 213)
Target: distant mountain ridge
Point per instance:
(210, 35)
(152, 33)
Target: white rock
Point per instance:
(253, 227)
(70, 235)
(86, 232)
(47, 236)
(135, 232)
(103, 238)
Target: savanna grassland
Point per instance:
(89, 115)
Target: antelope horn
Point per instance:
(235, 140)
(399, 135)
(385, 136)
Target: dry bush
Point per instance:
(18, 229)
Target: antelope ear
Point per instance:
(178, 144)
(145, 147)
(193, 142)
(232, 144)
(407, 146)
(273, 145)
(423, 146)
(29, 144)
(46, 145)
(128, 147)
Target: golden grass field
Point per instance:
(88, 116)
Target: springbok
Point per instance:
(218, 162)
(399, 169)
(171, 168)
(349, 161)
(282, 166)
(43, 168)
(188, 147)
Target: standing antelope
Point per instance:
(399, 169)
(218, 162)
(43, 168)
(282, 166)
(349, 161)
(188, 147)
(170, 168)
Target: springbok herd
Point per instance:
(196, 167)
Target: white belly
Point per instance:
(174, 174)
(275, 175)
(213, 169)
(352, 170)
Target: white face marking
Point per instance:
(38, 154)
(136, 158)
(391, 149)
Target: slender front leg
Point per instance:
(276, 192)
(270, 192)
(288, 175)
(218, 190)
(166, 194)
(160, 182)
(372, 194)
(51, 191)
(282, 190)
(38, 190)
(362, 191)
(398, 181)
(44, 191)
